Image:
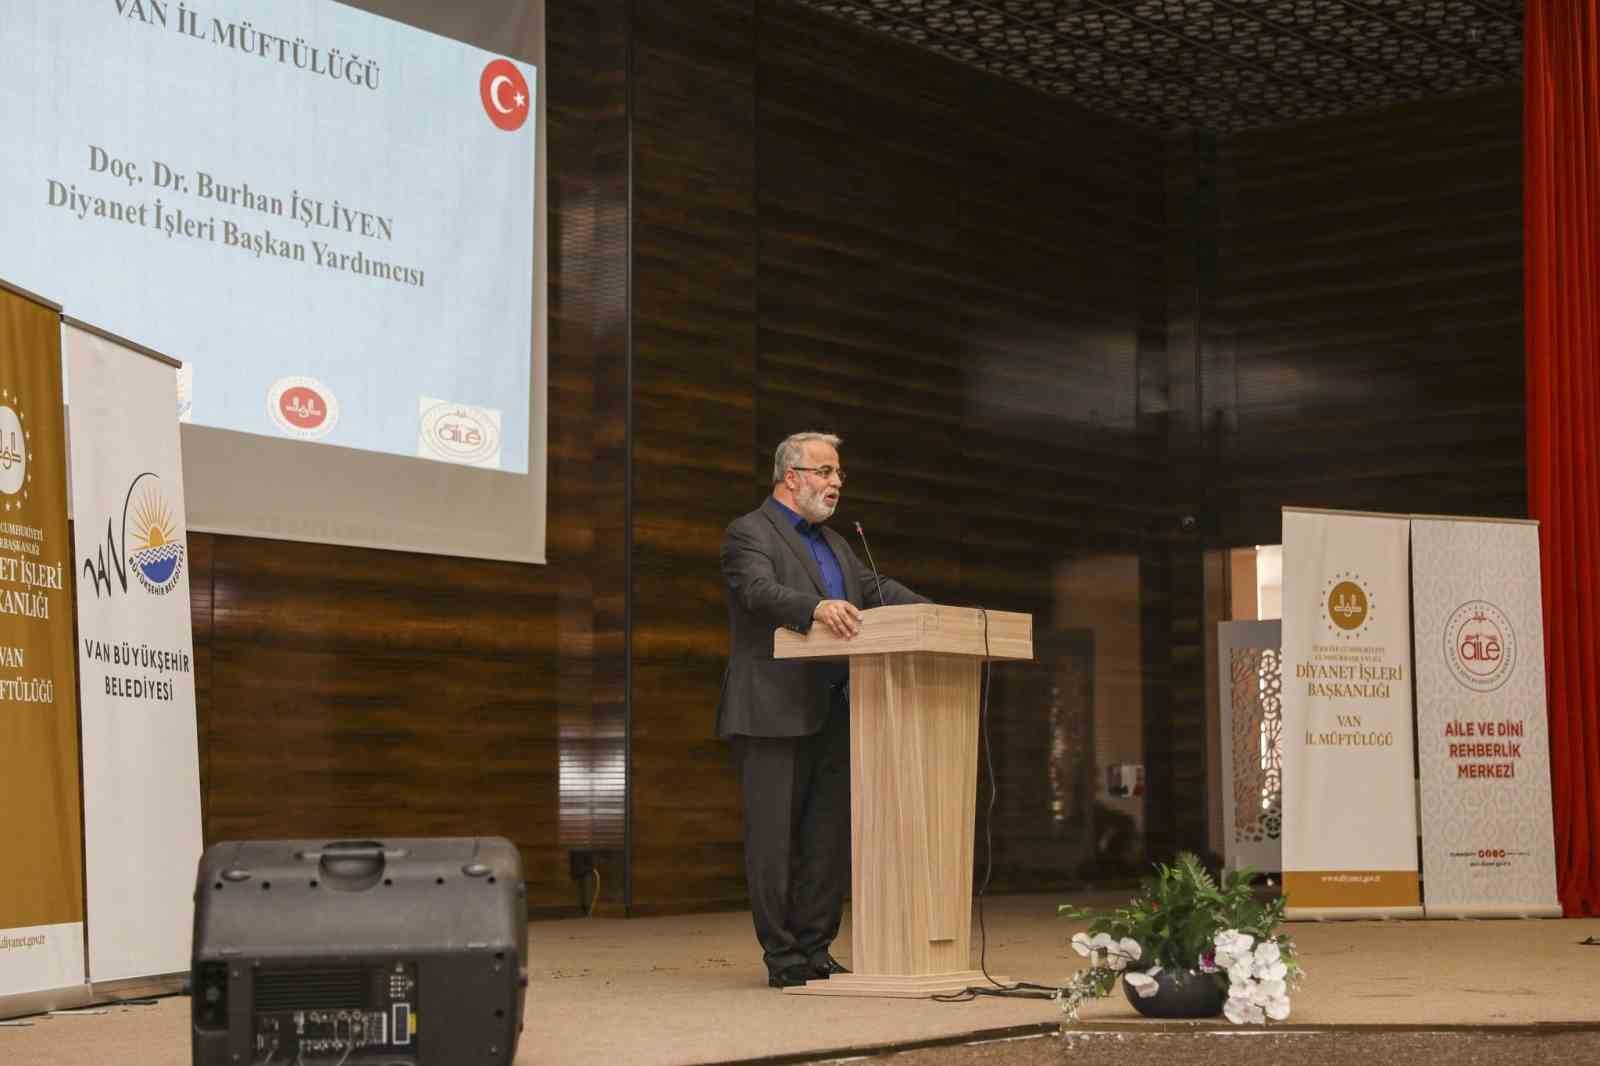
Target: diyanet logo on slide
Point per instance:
(458, 433)
(302, 407)
(14, 476)
(504, 92)
(1479, 646)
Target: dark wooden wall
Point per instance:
(962, 278)
(1366, 350)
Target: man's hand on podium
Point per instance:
(840, 616)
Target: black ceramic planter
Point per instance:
(1199, 995)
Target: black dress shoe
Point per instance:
(789, 976)
(826, 968)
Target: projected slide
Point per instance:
(326, 215)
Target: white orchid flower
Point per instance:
(1276, 988)
(1142, 983)
(1234, 942)
(1236, 1010)
(1267, 952)
(1276, 972)
(1101, 941)
(1278, 1009)
(1241, 972)
(1130, 949)
(1258, 995)
(1081, 944)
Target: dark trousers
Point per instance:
(796, 799)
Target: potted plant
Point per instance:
(1186, 946)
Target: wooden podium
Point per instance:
(914, 676)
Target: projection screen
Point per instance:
(333, 215)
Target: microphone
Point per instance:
(878, 580)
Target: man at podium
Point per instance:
(788, 720)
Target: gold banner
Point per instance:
(41, 879)
(1313, 889)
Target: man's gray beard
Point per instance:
(814, 509)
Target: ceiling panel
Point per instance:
(1218, 65)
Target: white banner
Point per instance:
(1349, 792)
(41, 957)
(141, 787)
(1488, 843)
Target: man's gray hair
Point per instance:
(793, 451)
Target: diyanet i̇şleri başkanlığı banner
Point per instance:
(1349, 792)
(41, 876)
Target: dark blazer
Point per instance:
(772, 580)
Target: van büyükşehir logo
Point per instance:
(155, 554)
(504, 92)
(302, 407)
(1479, 646)
(1347, 605)
(14, 437)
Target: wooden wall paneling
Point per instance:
(1068, 294)
(1372, 281)
(200, 548)
(965, 302)
(1196, 402)
(587, 54)
(361, 693)
(859, 197)
(693, 434)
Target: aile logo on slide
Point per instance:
(458, 433)
(1479, 646)
(302, 407)
(14, 476)
(504, 92)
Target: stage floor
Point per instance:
(607, 992)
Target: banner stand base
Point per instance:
(152, 987)
(1349, 914)
(1495, 910)
(22, 1004)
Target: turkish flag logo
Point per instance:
(505, 94)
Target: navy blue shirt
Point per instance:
(836, 671)
(827, 562)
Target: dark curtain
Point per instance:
(1561, 218)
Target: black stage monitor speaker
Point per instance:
(406, 952)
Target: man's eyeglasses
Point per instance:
(824, 472)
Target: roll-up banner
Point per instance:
(141, 786)
(41, 870)
(1488, 842)
(1349, 787)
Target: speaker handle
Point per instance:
(353, 865)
